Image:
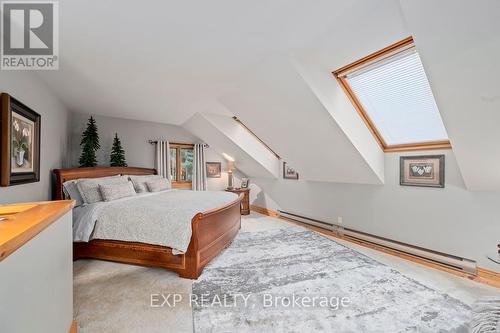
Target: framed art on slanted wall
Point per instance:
(289, 173)
(19, 142)
(426, 171)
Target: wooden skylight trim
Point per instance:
(371, 58)
(255, 136)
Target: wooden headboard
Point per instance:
(63, 175)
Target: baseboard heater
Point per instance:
(443, 259)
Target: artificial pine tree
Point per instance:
(117, 153)
(89, 144)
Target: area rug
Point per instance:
(297, 280)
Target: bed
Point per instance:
(211, 231)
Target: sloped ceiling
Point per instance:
(165, 60)
(226, 136)
(277, 104)
(270, 62)
(459, 43)
(294, 104)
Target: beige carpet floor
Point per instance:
(116, 298)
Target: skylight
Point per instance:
(392, 94)
(255, 136)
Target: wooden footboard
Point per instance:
(212, 231)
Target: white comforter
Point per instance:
(162, 218)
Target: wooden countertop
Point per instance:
(23, 221)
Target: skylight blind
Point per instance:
(397, 97)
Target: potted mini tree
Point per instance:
(89, 144)
(117, 157)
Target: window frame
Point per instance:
(178, 163)
(339, 75)
(255, 136)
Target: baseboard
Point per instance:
(484, 275)
(264, 211)
(489, 277)
(73, 328)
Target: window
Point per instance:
(255, 136)
(181, 164)
(391, 92)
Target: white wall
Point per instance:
(247, 142)
(451, 220)
(134, 136)
(459, 44)
(219, 184)
(341, 109)
(28, 88)
(226, 136)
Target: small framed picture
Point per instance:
(289, 173)
(19, 142)
(426, 171)
(213, 169)
(244, 183)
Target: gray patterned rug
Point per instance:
(296, 280)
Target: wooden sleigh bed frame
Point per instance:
(212, 231)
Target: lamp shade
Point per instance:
(230, 165)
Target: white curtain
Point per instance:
(163, 159)
(199, 182)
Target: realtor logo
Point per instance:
(30, 35)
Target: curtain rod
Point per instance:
(153, 142)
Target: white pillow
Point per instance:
(89, 188)
(71, 192)
(159, 184)
(140, 182)
(111, 192)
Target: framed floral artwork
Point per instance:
(19, 142)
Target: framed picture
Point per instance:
(289, 173)
(244, 183)
(427, 171)
(19, 142)
(213, 169)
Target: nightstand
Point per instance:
(245, 203)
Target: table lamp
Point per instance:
(230, 167)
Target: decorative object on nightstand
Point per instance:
(245, 203)
(244, 182)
